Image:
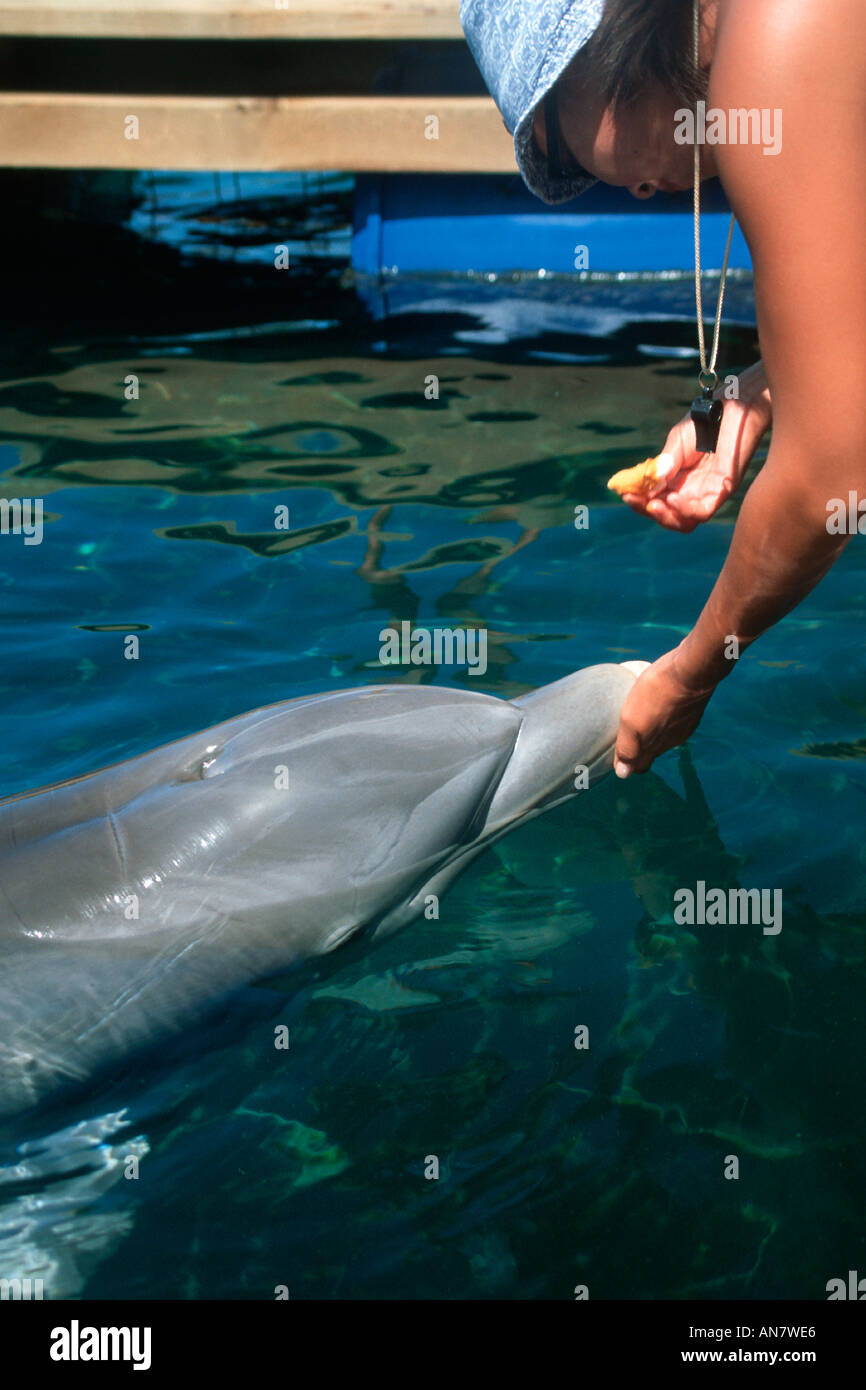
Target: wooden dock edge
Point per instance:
(231, 19)
(387, 134)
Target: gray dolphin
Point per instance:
(135, 897)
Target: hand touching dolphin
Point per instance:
(134, 898)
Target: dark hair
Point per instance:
(639, 42)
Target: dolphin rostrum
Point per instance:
(134, 898)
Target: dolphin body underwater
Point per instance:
(135, 898)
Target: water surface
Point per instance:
(454, 1038)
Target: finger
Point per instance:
(625, 769)
(637, 501)
(660, 510)
(685, 465)
(627, 752)
(656, 508)
(693, 509)
(682, 443)
(701, 505)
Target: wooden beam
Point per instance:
(232, 19)
(67, 131)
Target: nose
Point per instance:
(642, 190)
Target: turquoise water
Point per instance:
(454, 1038)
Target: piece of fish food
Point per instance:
(643, 477)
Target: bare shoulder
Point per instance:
(808, 56)
(802, 65)
(772, 36)
(800, 199)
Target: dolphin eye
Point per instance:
(210, 756)
(198, 770)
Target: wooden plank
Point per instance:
(232, 19)
(67, 131)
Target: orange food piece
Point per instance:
(643, 477)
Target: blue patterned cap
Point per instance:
(521, 48)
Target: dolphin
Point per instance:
(135, 898)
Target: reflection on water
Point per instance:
(56, 1221)
(247, 436)
(558, 1166)
(243, 425)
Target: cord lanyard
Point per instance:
(706, 412)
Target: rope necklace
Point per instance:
(706, 412)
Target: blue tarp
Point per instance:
(489, 222)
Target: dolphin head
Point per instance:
(566, 741)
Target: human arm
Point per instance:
(802, 212)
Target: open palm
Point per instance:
(699, 483)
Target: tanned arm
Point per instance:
(803, 213)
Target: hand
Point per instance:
(660, 712)
(699, 483)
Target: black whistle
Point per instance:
(707, 415)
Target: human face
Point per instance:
(634, 149)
